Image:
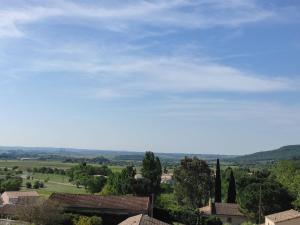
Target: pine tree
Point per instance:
(231, 197)
(218, 193)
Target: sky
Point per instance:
(192, 76)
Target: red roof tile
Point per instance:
(222, 209)
(129, 203)
(142, 220)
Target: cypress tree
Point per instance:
(231, 197)
(218, 194)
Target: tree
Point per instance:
(152, 170)
(81, 174)
(218, 188)
(95, 184)
(120, 183)
(36, 184)
(274, 197)
(28, 184)
(11, 184)
(41, 184)
(231, 195)
(288, 174)
(127, 180)
(192, 182)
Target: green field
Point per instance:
(56, 182)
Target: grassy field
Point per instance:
(56, 182)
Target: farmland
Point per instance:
(52, 182)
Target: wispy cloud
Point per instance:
(124, 15)
(126, 73)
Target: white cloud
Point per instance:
(131, 75)
(120, 15)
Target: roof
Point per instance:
(8, 209)
(17, 194)
(283, 216)
(222, 209)
(142, 220)
(128, 203)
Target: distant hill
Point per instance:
(56, 153)
(283, 153)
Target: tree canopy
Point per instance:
(231, 194)
(152, 170)
(193, 182)
(218, 188)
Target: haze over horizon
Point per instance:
(198, 76)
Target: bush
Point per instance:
(28, 185)
(84, 220)
(41, 184)
(36, 184)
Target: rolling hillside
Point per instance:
(285, 152)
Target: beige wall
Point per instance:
(287, 222)
(235, 220)
(4, 198)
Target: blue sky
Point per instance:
(200, 76)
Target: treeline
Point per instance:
(47, 170)
(96, 160)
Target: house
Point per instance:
(142, 220)
(167, 178)
(112, 209)
(226, 212)
(7, 211)
(18, 197)
(289, 217)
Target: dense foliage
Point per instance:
(288, 174)
(274, 197)
(152, 170)
(89, 176)
(120, 183)
(10, 184)
(193, 182)
(218, 189)
(84, 220)
(47, 170)
(231, 194)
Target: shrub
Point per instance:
(28, 185)
(36, 184)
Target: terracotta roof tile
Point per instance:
(283, 216)
(142, 220)
(222, 209)
(134, 220)
(8, 209)
(16, 194)
(227, 209)
(131, 203)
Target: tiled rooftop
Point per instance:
(222, 209)
(142, 220)
(283, 216)
(17, 194)
(130, 203)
